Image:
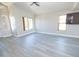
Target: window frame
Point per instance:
(24, 27)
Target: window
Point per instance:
(27, 24)
(62, 22)
(30, 24)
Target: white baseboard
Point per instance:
(7, 35)
(65, 35)
(24, 34)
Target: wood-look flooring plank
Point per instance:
(39, 45)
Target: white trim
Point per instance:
(24, 34)
(65, 35)
(7, 35)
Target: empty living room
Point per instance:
(39, 29)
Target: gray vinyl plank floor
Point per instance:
(39, 45)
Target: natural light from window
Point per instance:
(12, 20)
(26, 23)
(62, 22)
(30, 24)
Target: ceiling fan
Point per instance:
(35, 3)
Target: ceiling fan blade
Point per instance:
(37, 4)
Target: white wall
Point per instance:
(14, 25)
(48, 23)
(19, 12)
(5, 28)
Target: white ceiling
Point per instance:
(46, 7)
(1, 5)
